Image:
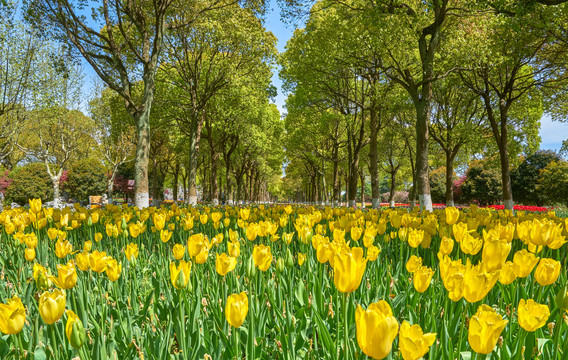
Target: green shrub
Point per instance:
(553, 183)
(86, 177)
(30, 181)
(482, 185)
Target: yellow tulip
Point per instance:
(446, 246)
(66, 276)
(134, 230)
(478, 281)
(30, 240)
(52, 305)
(203, 218)
(244, 213)
(179, 251)
(484, 330)
(547, 271)
(131, 252)
(236, 309)
(373, 253)
(507, 274)
(63, 248)
(74, 330)
(165, 235)
(41, 277)
(97, 261)
(82, 261)
(52, 233)
(523, 263)
(113, 269)
(422, 278)
(287, 237)
(29, 254)
(495, 253)
(196, 244)
(452, 215)
(356, 233)
(179, 275)
(12, 316)
(201, 258)
(376, 329)
(532, 315)
(234, 248)
(262, 256)
(224, 264)
(415, 237)
(35, 205)
(226, 222)
(348, 269)
(413, 263)
(98, 236)
(159, 221)
(251, 232)
(301, 258)
(412, 342)
(470, 244)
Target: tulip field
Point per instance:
(282, 282)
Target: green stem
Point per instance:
(462, 326)
(345, 328)
(51, 330)
(557, 328)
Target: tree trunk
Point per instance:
(155, 197)
(336, 178)
(449, 179)
(175, 184)
(228, 185)
(141, 195)
(374, 159)
(422, 170)
(392, 188)
(56, 195)
(195, 136)
(362, 176)
(213, 179)
(505, 170)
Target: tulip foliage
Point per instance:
(281, 282)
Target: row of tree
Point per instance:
(185, 87)
(372, 83)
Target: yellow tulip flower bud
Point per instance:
(236, 309)
(224, 264)
(52, 305)
(12, 316)
(348, 269)
(484, 330)
(262, 256)
(74, 330)
(376, 329)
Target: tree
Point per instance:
(86, 177)
(553, 182)
(30, 181)
(457, 122)
(206, 58)
(526, 176)
(482, 184)
(114, 134)
(56, 135)
(123, 46)
(510, 67)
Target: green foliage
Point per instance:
(86, 177)
(438, 185)
(553, 183)
(482, 185)
(525, 177)
(29, 182)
